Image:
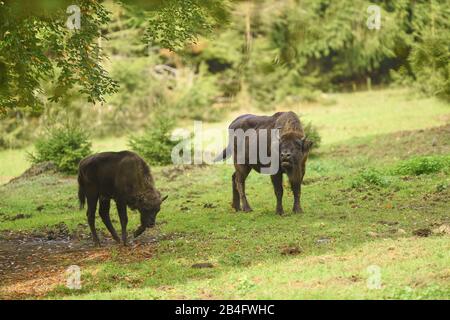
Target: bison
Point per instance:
(125, 177)
(291, 150)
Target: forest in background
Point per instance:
(262, 55)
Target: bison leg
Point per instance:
(277, 181)
(122, 209)
(241, 174)
(104, 214)
(236, 202)
(92, 208)
(297, 191)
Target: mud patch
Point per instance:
(33, 264)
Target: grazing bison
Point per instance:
(124, 177)
(291, 149)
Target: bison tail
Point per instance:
(226, 153)
(81, 194)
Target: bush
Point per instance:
(369, 177)
(64, 146)
(156, 145)
(313, 134)
(423, 165)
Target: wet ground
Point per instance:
(33, 264)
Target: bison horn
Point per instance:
(164, 198)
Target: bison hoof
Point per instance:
(297, 210)
(247, 209)
(237, 208)
(97, 244)
(280, 212)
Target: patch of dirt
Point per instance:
(202, 265)
(291, 251)
(209, 205)
(16, 217)
(36, 170)
(33, 264)
(425, 232)
(388, 223)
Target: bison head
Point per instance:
(148, 207)
(293, 152)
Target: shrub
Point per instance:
(313, 134)
(156, 145)
(369, 177)
(422, 165)
(64, 146)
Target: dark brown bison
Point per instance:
(124, 177)
(286, 147)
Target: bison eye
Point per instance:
(299, 143)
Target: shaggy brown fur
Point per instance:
(124, 177)
(293, 153)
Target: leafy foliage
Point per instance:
(423, 165)
(156, 145)
(370, 177)
(35, 44)
(177, 22)
(197, 96)
(312, 133)
(65, 146)
(262, 54)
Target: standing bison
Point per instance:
(289, 147)
(124, 177)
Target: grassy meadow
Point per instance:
(366, 205)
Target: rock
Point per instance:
(401, 231)
(372, 234)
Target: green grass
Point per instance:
(345, 228)
(405, 273)
(354, 115)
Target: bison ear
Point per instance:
(307, 144)
(164, 198)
